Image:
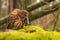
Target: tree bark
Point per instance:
(16, 4)
(0, 5)
(4, 20)
(9, 7)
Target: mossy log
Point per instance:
(26, 34)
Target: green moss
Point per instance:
(32, 28)
(25, 34)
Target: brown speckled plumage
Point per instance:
(18, 18)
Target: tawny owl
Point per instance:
(18, 19)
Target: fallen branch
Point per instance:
(39, 13)
(36, 5)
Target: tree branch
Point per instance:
(36, 5)
(39, 13)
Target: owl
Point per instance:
(18, 18)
